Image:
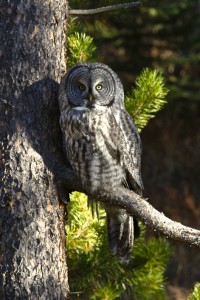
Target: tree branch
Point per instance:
(103, 9)
(139, 207)
(145, 212)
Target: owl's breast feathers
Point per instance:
(90, 138)
(102, 151)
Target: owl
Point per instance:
(102, 144)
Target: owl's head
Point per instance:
(91, 85)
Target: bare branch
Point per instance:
(140, 208)
(144, 211)
(103, 9)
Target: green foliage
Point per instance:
(144, 101)
(81, 48)
(196, 293)
(98, 275)
(105, 292)
(84, 224)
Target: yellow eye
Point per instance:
(98, 87)
(81, 87)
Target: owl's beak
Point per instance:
(90, 98)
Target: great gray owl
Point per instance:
(102, 143)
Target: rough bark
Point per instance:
(32, 237)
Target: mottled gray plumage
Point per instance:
(102, 143)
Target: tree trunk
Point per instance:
(32, 237)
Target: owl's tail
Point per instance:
(121, 231)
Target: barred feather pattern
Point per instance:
(102, 143)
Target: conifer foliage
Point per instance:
(93, 272)
(147, 98)
(81, 48)
(196, 293)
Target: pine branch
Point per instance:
(196, 293)
(79, 12)
(140, 208)
(147, 98)
(81, 48)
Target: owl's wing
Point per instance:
(130, 149)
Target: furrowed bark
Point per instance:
(32, 236)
